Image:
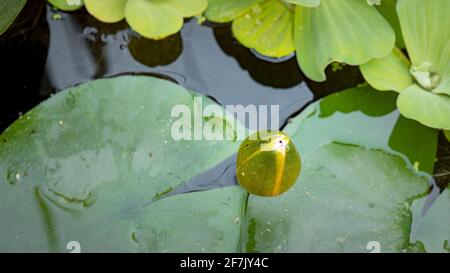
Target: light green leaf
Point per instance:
(67, 5)
(425, 27)
(305, 3)
(433, 229)
(348, 176)
(223, 11)
(10, 9)
(109, 11)
(347, 116)
(86, 165)
(389, 12)
(388, 73)
(349, 32)
(268, 28)
(153, 19)
(428, 108)
(189, 8)
(447, 134)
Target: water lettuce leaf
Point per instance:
(151, 19)
(390, 73)
(425, 92)
(224, 11)
(350, 32)
(268, 28)
(277, 28)
(430, 109)
(67, 5)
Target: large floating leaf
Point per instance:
(268, 28)
(433, 229)
(348, 31)
(355, 187)
(85, 165)
(346, 197)
(9, 9)
(207, 221)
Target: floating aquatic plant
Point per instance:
(9, 9)
(321, 32)
(151, 19)
(423, 80)
(102, 151)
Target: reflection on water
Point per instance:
(82, 50)
(204, 58)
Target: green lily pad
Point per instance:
(268, 28)
(67, 5)
(210, 222)
(350, 32)
(433, 229)
(355, 188)
(151, 19)
(346, 197)
(86, 165)
(10, 10)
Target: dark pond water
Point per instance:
(47, 51)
